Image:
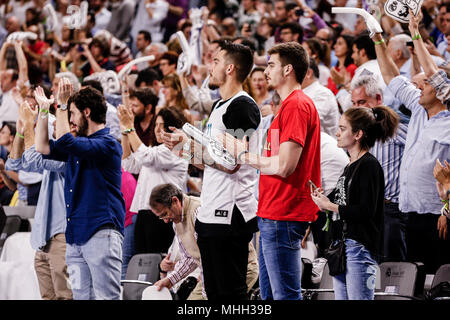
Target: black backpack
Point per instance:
(439, 291)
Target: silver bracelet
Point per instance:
(240, 154)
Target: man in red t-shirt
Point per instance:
(291, 158)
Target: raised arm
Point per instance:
(5, 47)
(126, 120)
(388, 68)
(41, 138)
(62, 119)
(425, 58)
(22, 62)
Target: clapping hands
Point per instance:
(41, 98)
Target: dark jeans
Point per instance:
(394, 233)
(151, 234)
(224, 264)
(423, 243)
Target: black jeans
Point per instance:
(394, 233)
(151, 234)
(224, 264)
(423, 243)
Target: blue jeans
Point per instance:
(128, 246)
(358, 282)
(280, 259)
(94, 267)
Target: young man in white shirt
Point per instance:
(226, 219)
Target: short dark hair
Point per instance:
(256, 69)
(185, 25)
(294, 54)
(94, 84)
(162, 195)
(172, 117)
(241, 56)
(11, 126)
(91, 98)
(295, 29)
(146, 96)
(147, 35)
(102, 44)
(170, 56)
(363, 41)
(313, 66)
(446, 5)
(290, 5)
(246, 42)
(148, 75)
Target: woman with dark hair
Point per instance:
(317, 50)
(173, 94)
(357, 202)
(343, 51)
(156, 165)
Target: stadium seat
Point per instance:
(401, 281)
(143, 271)
(12, 225)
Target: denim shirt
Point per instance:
(426, 141)
(93, 181)
(50, 215)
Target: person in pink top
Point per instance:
(128, 189)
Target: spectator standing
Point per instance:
(94, 203)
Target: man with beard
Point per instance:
(290, 159)
(95, 208)
(143, 103)
(226, 219)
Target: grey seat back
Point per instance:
(403, 278)
(12, 225)
(442, 274)
(325, 283)
(142, 267)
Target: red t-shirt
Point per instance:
(289, 199)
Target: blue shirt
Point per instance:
(50, 214)
(389, 154)
(426, 141)
(93, 181)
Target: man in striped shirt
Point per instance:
(367, 93)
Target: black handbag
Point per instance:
(335, 255)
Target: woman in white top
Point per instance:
(155, 165)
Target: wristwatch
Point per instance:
(62, 106)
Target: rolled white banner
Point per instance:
(372, 24)
(126, 69)
(20, 35)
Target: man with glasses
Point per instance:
(171, 205)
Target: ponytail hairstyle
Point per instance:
(379, 123)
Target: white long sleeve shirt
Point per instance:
(326, 106)
(142, 20)
(155, 165)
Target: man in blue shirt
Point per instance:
(428, 139)
(95, 206)
(47, 234)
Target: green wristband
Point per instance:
(379, 42)
(19, 135)
(417, 37)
